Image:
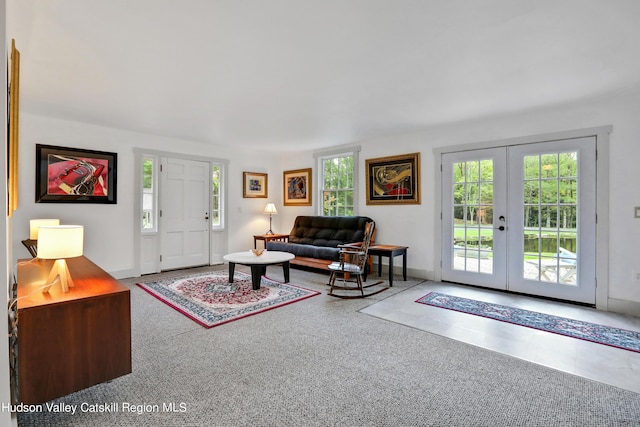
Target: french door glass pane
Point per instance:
(550, 217)
(473, 216)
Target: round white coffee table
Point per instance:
(258, 264)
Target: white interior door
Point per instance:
(522, 218)
(185, 188)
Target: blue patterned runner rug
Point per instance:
(607, 335)
(210, 300)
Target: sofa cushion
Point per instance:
(308, 251)
(328, 231)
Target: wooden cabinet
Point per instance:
(70, 341)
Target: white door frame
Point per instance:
(602, 202)
(218, 236)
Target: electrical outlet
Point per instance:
(636, 276)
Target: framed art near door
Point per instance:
(393, 180)
(254, 184)
(72, 175)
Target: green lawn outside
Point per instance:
(458, 233)
(486, 235)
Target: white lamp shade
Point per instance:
(61, 241)
(270, 209)
(34, 224)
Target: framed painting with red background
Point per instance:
(72, 175)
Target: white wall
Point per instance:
(110, 229)
(110, 235)
(413, 225)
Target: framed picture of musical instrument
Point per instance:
(72, 175)
(393, 180)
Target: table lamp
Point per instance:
(59, 242)
(32, 242)
(270, 209)
(34, 224)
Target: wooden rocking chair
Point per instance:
(353, 262)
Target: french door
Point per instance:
(474, 199)
(522, 218)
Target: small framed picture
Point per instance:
(72, 175)
(254, 184)
(297, 187)
(393, 180)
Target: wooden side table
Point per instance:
(268, 237)
(390, 251)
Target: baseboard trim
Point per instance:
(631, 308)
(124, 274)
(397, 271)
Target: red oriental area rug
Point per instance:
(210, 300)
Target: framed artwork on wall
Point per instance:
(393, 180)
(254, 184)
(72, 175)
(297, 187)
(12, 116)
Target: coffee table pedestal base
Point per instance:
(257, 271)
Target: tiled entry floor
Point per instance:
(598, 362)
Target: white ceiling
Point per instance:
(306, 74)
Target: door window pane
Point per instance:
(216, 196)
(550, 218)
(148, 194)
(473, 216)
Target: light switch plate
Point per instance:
(636, 211)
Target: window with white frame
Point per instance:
(338, 183)
(149, 194)
(216, 196)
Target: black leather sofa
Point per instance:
(314, 240)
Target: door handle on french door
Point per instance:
(501, 228)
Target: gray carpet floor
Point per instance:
(320, 362)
